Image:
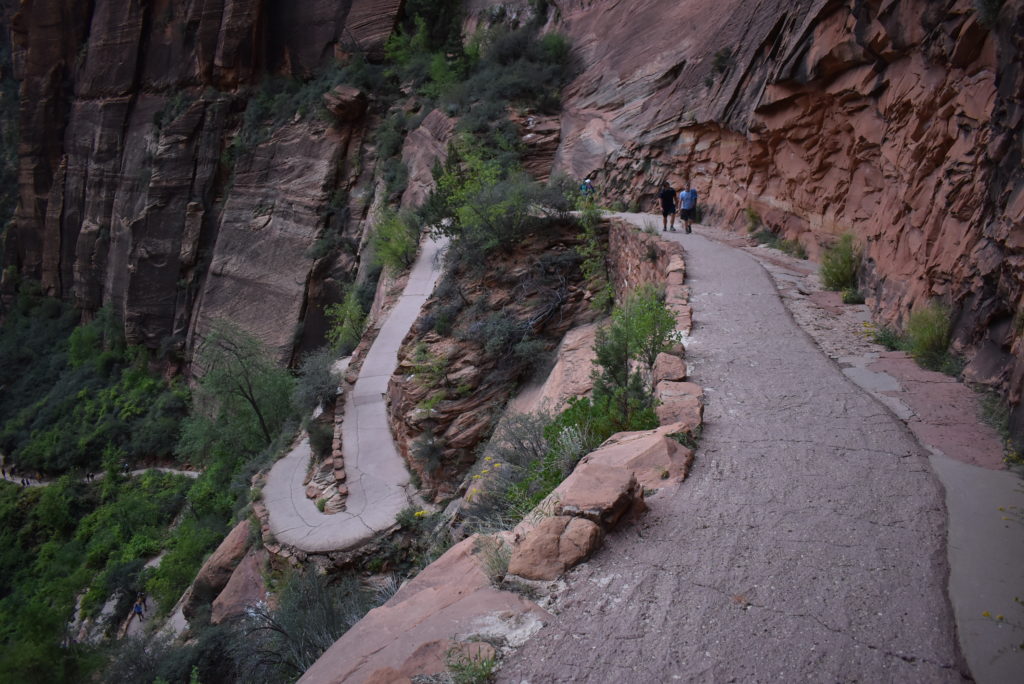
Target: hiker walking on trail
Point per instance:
(138, 607)
(587, 189)
(688, 206)
(668, 207)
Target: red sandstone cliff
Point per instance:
(125, 195)
(897, 121)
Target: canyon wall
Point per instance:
(136, 188)
(897, 121)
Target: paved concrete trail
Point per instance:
(377, 479)
(808, 543)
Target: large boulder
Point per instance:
(217, 569)
(600, 492)
(571, 375)
(244, 588)
(553, 546)
(654, 458)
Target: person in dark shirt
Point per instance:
(668, 207)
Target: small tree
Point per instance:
(840, 263)
(347, 320)
(396, 240)
(646, 324)
(243, 397)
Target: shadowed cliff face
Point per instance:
(126, 195)
(897, 121)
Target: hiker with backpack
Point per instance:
(688, 206)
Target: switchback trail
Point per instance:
(807, 544)
(376, 474)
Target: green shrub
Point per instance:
(839, 264)
(347, 320)
(852, 296)
(396, 240)
(753, 219)
(928, 335)
(316, 384)
(277, 644)
(890, 338)
(468, 667)
(321, 438)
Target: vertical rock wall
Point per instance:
(124, 195)
(897, 121)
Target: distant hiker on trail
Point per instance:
(688, 206)
(142, 597)
(137, 608)
(587, 189)
(668, 206)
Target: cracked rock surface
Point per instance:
(807, 544)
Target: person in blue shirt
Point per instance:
(688, 206)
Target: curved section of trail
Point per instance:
(377, 479)
(808, 543)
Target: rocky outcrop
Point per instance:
(425, 146)
(555, 545)
(899, 122)
(452, 598)
(218, 569)
(654, 457)
(244, 588)
(463, 359)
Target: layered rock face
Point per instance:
(129, 195)
(896, 121)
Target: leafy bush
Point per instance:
(316, 383)
(928, 335)
(347, 319)
(839, 264)
(484, 203)
(852, 296)
(192, 542)
(280, 643)
(70, 397)
(890, 338)
(753, 219)
(396, 240)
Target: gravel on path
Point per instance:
(808, 543)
